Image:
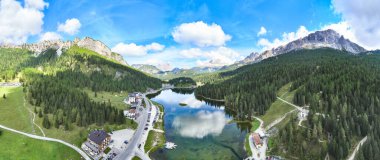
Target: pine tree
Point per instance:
(4, 96)
(66, 125)
(45, 122)
(39, 113)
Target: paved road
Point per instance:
(352, 157)
(84, 155)
(132, 147)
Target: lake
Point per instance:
(201, 130)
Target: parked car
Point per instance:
(146, 128)
(126, 142)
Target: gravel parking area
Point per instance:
(118, 138)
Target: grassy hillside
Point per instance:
(278, 108)
(13, 110)
(22, 147)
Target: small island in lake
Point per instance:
(182, 104)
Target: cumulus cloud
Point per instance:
(362, 20)
(216, 57)
(18, 22)
(37, 4)
(71, 26)
(286, 38)
(262, 31)
(200, 34)
(202, 124)
(133, 49)
(50, 36)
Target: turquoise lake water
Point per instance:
(200, 130)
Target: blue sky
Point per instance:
(147, 27)
(143, 22)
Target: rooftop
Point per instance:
(98, 136)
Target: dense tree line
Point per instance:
(182, 82)
(10, 60)
(341, 90)
(304, 143)
(345, 89)
(55, 85)
(371, 148)
(67, 104)
(251, 89)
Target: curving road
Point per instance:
(352, 157)
(84, 155)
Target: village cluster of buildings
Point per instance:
(133, 99)
(98, 140)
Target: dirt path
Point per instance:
(34, 117)
(278, 120)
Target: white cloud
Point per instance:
(362, 20)
(202, 124)
(216, 57)
(155, 47)
(200, 34)
(262, 31)
(342, 28)
(17, 23)
(286, 38)
(360, 24)
(50, 36)
(36, 4)
(133, 49)
(71, 26)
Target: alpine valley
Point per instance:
(166, 80)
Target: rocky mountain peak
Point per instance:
(95, 46)
(319, 39)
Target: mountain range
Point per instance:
(175, 72)
(59, 45)
(319, 39)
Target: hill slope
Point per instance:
(55, 83)
(334, 83)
